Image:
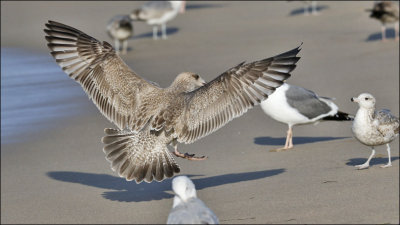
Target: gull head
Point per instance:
(187, 82)
(184, 189)
(365, 100)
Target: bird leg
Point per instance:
(366, 164)
(155, 31)
(314, 8)
(187, 155)
(389, 164)
(164, 31)
(124, 47)
(288, 143)
(116, 41)
(383, 31)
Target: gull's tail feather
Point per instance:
(138, 156)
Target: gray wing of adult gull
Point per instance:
(306, 102)
(194, 211)
(231, 94)
(116, 90)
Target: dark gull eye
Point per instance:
(195, 76)
(366, 99)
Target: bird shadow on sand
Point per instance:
(300, 11)
(170, 31)
(191, 6)
(125, 191)
(374, 161)
(390, 34)
(296, 140)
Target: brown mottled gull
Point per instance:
(373, 128)
(149, 117)
(387, 12)
(120, 29)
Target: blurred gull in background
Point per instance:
(373, 128)
(187, 208)
(158, 13)
(388, 13)
(295, 105)
(120, 29)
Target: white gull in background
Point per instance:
(373, 128)
(149, 117)
(158, 13)
(295, 105)
(187, 208)
(120, 29)
(307, 5)
(387, 12)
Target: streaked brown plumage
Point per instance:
(149, 117)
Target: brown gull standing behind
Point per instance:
(373, 128)
(386, 12)
(120, 29)
(149, 117)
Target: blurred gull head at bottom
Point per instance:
(187, 208)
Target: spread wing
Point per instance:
(232, 94)
(115, 89)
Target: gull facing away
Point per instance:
(148, 117)
(158, 13)
(120, 29)
(295, 105)
(386, 12)
(187, 208)
(373, 128)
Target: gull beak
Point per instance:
(202, 82)
(354, 99)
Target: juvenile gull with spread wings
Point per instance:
(149, 117)
(373, 128)
(187, 208)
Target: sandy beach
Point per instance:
(53, 169)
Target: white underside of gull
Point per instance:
(276, 106)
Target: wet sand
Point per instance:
(58, 173)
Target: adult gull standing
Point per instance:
(158, 13)
(373, 128)
(295, 105)
(149, 117)
(187, 208)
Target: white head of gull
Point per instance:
(187, 208)
(158, 13)
(373, 128)
(295, 105)
(149, 117)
